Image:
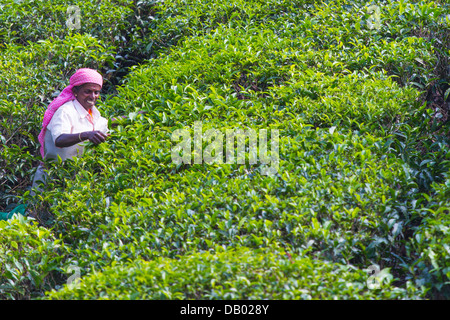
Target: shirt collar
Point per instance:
(83, 112)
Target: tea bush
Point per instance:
(263, 68)
(340, 181)
(432, 244)
(28, 21)
(30, 257)
(230, 274)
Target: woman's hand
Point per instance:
(96, 137)
(69, 139)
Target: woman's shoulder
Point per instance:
(68, 104)
(67, 107)
(66, 110)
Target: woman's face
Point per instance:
(88, 94)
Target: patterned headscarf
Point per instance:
(82, 76)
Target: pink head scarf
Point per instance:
(82, 76)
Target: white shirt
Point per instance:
(71, 117)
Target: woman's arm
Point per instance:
(70, 139)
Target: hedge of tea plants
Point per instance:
(356, 92)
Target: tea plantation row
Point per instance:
(361, 180)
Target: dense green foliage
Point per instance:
(240, 274)
(363, 171)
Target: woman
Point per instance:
(71, 119)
